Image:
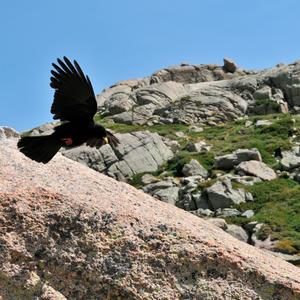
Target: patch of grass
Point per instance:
(229, 137)
(266, 106)
(277, 205)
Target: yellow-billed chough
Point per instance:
(75, 104)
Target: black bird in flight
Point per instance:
(75, 104)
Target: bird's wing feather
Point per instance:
(112, 139)
(98, 142)
(74, 98)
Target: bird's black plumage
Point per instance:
(75, 104)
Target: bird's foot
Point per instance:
(67, 141)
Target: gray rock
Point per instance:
(138, 152)
(191, 180)
(194, 168)
(200, 200)
(261, 123)
(198, 147)
(148, 178)
(161, 185)
(290, 162)
(248, 213)
(205, 94)
(221, 195)
(195, 129)
(180, 134)
(229, 161)
(227, 212)
(8, 132)
(245, 180)
(202, 212)
(238, 232)
(263, 93)
(256, 168)
(168, 195)
(173, 145)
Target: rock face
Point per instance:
(68, 232)
(7, 132)
(202, 94)
(194, 168)
(138, 152)
(222, 195)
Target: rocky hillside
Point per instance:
(207, 94)
(69, 232)
(218, 141)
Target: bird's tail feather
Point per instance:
(39, 148)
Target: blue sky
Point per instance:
(115, 40)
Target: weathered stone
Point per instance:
(152, 187)
(195, 129)
(227, 212)
(238, 232)
(8, 132)
(168, 195)
(193, 168)
(229, 161)
(256, 168)
(290, 162)
(202, 212)
(246, 180)
(138, 152)
(229, 65)
(198, 147)
(191, 179)
(221, 195)
(248, 213)
(264, 93)
(261, 123)
(200, 201)
(148, 178)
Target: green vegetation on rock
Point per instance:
(276, 203)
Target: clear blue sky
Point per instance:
(115, 40)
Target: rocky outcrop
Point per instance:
(202, 94)
(194, 168)
(68, 232)
(256, 168)
(8, 132)
(222, 195)
(229, 161)
(138, 152)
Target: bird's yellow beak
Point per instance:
(105, 139)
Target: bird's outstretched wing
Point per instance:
(74, 98)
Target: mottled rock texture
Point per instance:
(68, 232)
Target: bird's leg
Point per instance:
(68, 141)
